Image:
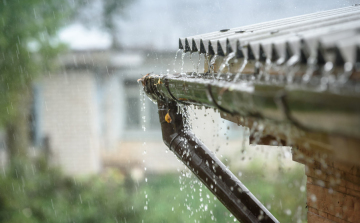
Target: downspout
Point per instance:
(201, 161)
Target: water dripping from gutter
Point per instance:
(212, 63)
(225, 63)
(198, 64)
(241, 69)
(311, 67)
(175, 59)
(182, 61)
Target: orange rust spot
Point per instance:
(142, 79)
(168, 118)
(159, 82)
(183, 99)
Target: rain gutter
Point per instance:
(204, 164)
(278, 102)
(308, 107)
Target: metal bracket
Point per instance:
(171, 95)
(281, 101)
(215, 103)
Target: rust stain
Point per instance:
(159, 82)
(168, 118)
(142, 79)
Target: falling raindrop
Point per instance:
(198, 64)
(212, 64)
(243, 65)
(175, 59)
(288, 212)
(225, 63)
(182, 61)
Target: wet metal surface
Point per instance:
(329, 32)
(306, 107)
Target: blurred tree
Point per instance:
(43, 194)
(103, 14)
(28, 46)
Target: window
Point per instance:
(135, 115)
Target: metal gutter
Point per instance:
(310, 107)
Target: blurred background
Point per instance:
(79, 141)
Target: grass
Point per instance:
(36, 193)
(174, 198)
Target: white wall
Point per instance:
(69, 119)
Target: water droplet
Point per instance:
(175, 59)
(182, 61)
(313, 197)
(287, 212)
(302, 188)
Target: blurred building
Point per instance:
(91, 114)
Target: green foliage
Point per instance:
(173, 198)
(28, 42)
(282, 191)
(33, 192)
(105, 15)
(28, 48)
(27, 45)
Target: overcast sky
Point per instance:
(157, 24)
